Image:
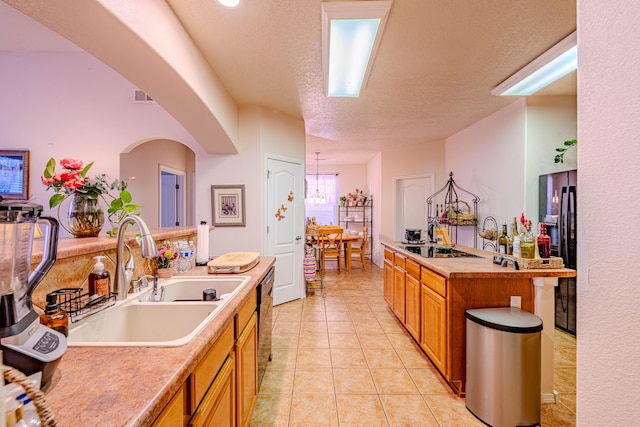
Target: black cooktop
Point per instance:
(434, 252)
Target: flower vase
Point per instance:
(165, 273)
(85, 217)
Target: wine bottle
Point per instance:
(503, 240)
(516, 239)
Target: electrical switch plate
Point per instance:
(516, 301)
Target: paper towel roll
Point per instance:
(202, 248)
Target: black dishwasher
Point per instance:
(265, 318)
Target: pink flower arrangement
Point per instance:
(166, 254)
(73, 180)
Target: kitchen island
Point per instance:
(429, 297)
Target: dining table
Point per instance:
(347, 240)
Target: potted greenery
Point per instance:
(567, 144)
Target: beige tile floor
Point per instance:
(343, 359)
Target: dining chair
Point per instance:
(330, 246)
(361, 249)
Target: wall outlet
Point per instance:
(516, 301)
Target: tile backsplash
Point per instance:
(73, 264)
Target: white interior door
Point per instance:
(285, 226)
(411, 203)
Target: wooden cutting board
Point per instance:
(233, 262)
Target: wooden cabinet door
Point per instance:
(173, 415)
(247, 371)
(388, 282)
(206, 371)
(218, 408)
(388, 277)
(399, 290)
(412, 298)
(412, 309)
(434, 327)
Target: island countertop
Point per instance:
(470, 268)
(118, 386)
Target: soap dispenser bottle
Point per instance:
(99, 279)
(54, 317)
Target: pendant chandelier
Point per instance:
(317, 197)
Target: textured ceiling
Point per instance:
(433, 75)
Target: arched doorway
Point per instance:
(146, 163)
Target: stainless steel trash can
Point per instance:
(503, 366)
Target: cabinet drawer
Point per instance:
(208, 368)
(434, 281)
(245, 313)
(413, 268)
(399, 261)
(388, 255)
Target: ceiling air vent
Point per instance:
(141, 96)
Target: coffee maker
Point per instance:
(413, 236)
(26, 344)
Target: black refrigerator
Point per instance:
(557, 202)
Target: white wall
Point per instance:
(261, 131)
(403, 162)
(72, 105)
(349, 177)
(608, 158)
(500, 157)
(166, 64)
(551, 120)
(488, 159)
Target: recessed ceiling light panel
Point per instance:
(351, 33)
(553, 64)
(229, 3)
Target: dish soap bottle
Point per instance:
(99, 279)
(54, 317)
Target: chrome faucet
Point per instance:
(130, 266)
(149, 250)
(154, 297)
(141, 282)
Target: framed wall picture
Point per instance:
(14, 174)
(227, 205)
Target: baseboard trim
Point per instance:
(549, 397)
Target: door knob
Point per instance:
(298, 237)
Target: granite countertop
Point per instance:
(130, 386)
(468, 268)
